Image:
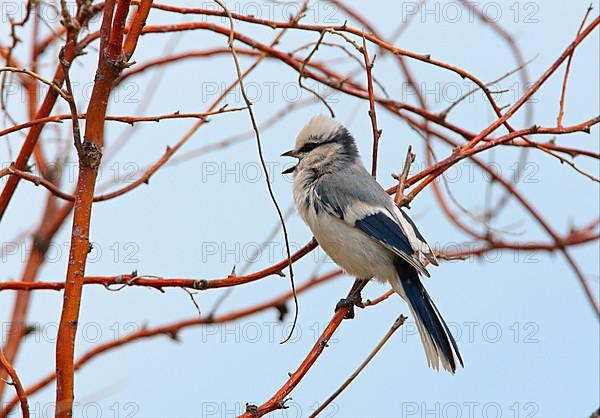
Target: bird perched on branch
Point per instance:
(360, 227)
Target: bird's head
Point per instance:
(323, 142)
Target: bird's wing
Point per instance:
(367, 206)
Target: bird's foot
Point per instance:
(346, 303)
(354, 299)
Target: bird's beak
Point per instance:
(291, 153)
(289, 170)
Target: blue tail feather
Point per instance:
(427, 314)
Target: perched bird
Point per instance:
(360, 227)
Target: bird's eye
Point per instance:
(308, 147)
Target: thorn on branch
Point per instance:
(324, 344)
(399, 322)
(252, 409)
(282, 405)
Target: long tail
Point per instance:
(437, 340)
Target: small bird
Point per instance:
(360, 227)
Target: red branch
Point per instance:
(16, 382)
(170, 330)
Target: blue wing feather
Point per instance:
(384, 229)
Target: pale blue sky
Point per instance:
(525, 330)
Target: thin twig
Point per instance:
(66, 66)
(272, 234)
(263, 164)
(399, 198)
(191, 295)
(444, 113)
(397, 324)
(131, 120)
(567, 70)
(38, 77)
(278, 400)
(301, 74)
(372, 113)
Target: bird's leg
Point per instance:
(357, 297)
(355, 293)
(354, 298)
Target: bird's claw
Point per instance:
(354, 299)
(346, 303)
